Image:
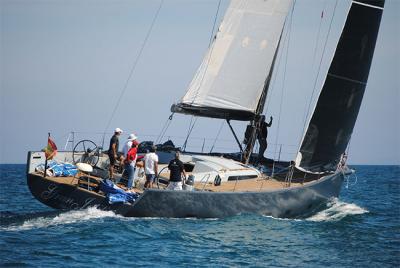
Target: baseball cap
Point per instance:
(135, 142)
(118, 130)
(132, 137)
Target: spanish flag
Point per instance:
(51, 150)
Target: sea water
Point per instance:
(360, 229)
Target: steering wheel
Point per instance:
(86, 151)
(158, 176)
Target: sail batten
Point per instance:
(230, 80)
(332, 122)
(347, 79)
(374, 4)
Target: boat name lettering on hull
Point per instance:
(52, 193)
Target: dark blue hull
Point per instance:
(291, 202)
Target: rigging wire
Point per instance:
(216, 137)
(187, 136)
(306, 111)
(191, 126)
(284, 73)
(318, 71)
(275, 74)
(163, 131)
(214, 23)
(274, 79)
(134, 65)
(269, 96)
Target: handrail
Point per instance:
(208, 175)
(237, 179)
(200, 143)
(289, 175)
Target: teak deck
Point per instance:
(248, 185)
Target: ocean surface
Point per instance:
(360, 229)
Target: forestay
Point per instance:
(230, 80)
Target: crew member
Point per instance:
(176, 171)
(130, 163)
(262, 137)
(128, 144)
(113, 151)
(150, 167)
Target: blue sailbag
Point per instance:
(115, 194)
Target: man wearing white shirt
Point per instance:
(150, 167)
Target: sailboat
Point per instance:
(232, 83)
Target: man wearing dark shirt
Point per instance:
(176, 170)
(113, 150)
(262, 137)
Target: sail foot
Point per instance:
(212, 112)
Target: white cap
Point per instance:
(118, 130)
(132, 137)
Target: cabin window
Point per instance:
(245, 177)
(188, 167)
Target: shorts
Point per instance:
(174, 185)
(150, 177)
(112, 159)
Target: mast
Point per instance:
(332, 122)
(255, 124)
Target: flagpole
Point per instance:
(45, 162)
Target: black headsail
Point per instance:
(333, 120)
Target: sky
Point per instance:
(65, 64)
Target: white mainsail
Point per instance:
(234, 69)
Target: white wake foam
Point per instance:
(337, 210)
(69, 217)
